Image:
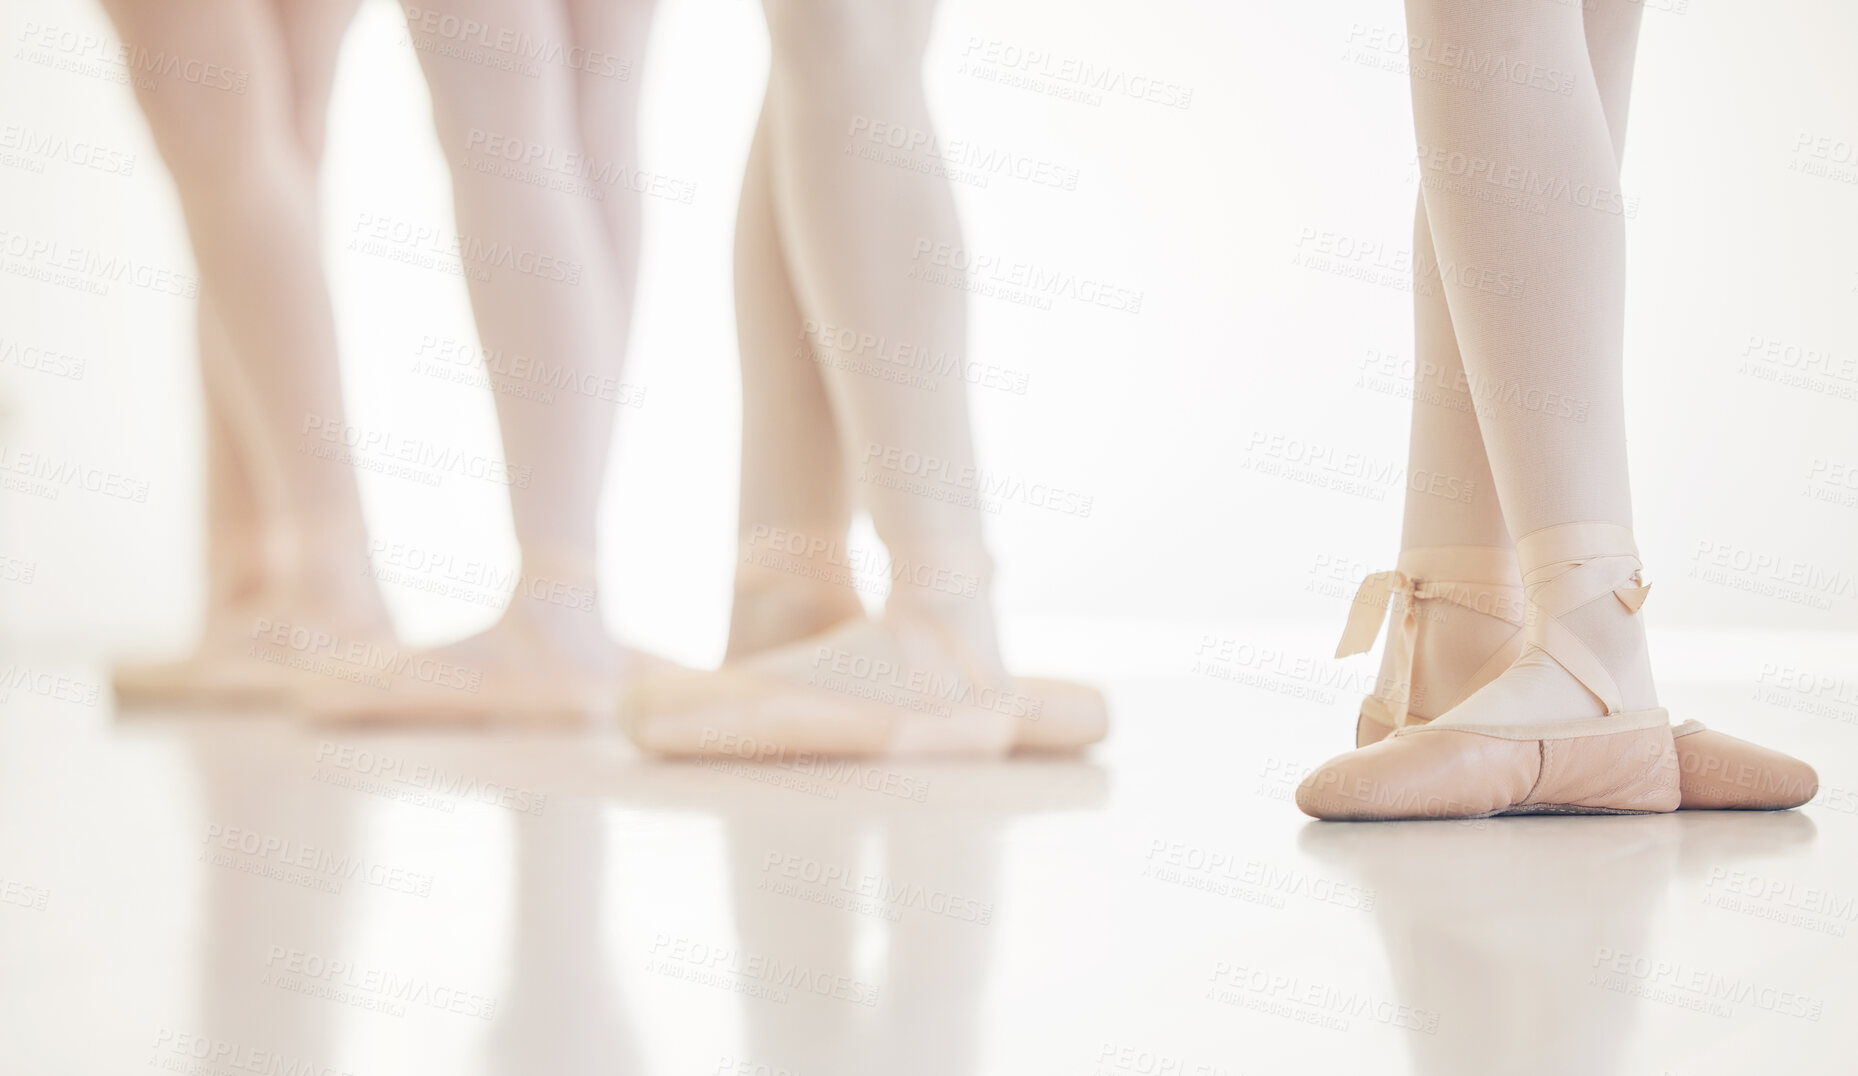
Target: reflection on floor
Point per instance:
(230, 893)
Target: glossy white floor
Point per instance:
(230, 893)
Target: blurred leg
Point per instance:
(277, 546)
(853, 232)
(550, 251)
(247, 188)
(793, 466)
(541, 269)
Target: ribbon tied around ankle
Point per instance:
(1375, 598)
(1556, 589)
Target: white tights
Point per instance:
(280, 520)
(828, 244)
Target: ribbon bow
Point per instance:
(1376, 596)
(1373, 600)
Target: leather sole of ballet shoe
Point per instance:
(744, 715)
(1446, 773)
(1070, 717)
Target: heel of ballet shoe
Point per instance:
(1629, 772)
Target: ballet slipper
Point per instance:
(203, 678)
(1721, 773)
(1480, 760)
(1477, 579)
(1063, 716)
(772, 608)
(1717, 771)
(772, 611)
(546, 663)
(902, 686)
(249, 655)
(497, 679)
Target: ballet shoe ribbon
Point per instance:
(1372, 600)
(1370, 607)
(1485, 593)
(1565, 574)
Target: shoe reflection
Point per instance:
(865, 923)
(863, 898)
(563, 1010)
(1504, 928)
(255, 912)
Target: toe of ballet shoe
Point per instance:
(1060, 715)
(1718, 772)
(1438, 775)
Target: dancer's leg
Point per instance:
(1438, 651)
(239, 551)
(793, 490)
(553, 306)
(853, 230)
(242, 515)
(1446, 658)
(544, 262)
(1536, 295)
(247, 188)
(1438, 663)
(1538, 298)
(255, 549)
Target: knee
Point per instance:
(839, 38)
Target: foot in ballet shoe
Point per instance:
(1572, 726)
(775, 610)
(1722, 773)
(905, 685)
(541, 665)
(1062, 716)
(262, 651)
(1432, 772)
(1458, 611)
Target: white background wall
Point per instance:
(1155, 415)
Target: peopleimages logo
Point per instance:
(517, 44)
(1677, 983)
(426, 777)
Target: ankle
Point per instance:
(1585, 586)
